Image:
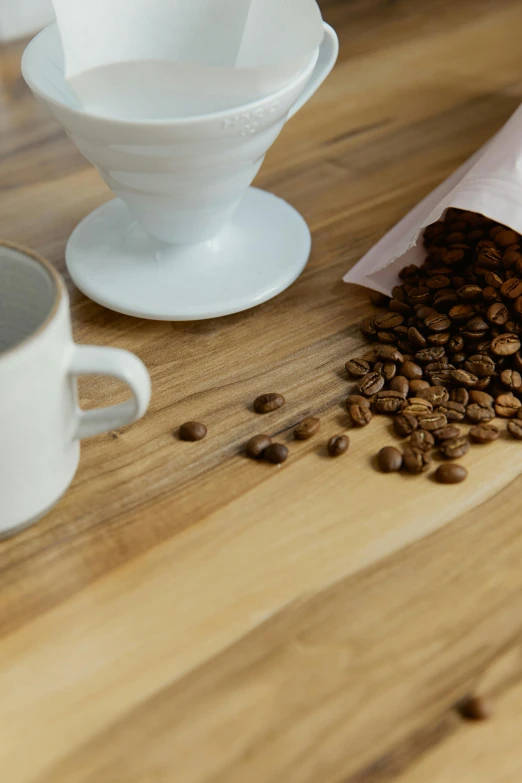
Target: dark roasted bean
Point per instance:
(388, 354)
(389, 402)
(389, 459)
(480, 365)
(192, 431)
(514, 427)
(276, 453)
(481, 397)
(484, 433)
(387, 321)
(400, 384)
(379, 300)
(448, 432)
(459, 394)
(505, 344)
(451, 474)
(405, 424)
(338, 445)
(477, 412)
(357, 399)
(360, 415)
(422, 439)
(411, 371)
(437, 323)
(456, 448)
(357, 368)
(453, 411)
(426, 355)
(432, 421)
(498, 314)
(507, 405)
(256, 446)
(267, 403)
(310, 427)
(415, 460)
(464, 378)
(512, 379)
(370, 384)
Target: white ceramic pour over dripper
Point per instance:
(187, 238)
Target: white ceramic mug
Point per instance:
(182, 179)
(41, 424)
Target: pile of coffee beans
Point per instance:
(447, 347)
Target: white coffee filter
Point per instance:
(490, 183)
(160, 59)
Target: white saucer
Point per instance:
(259, 254)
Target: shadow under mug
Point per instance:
(41, 424)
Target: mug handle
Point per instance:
(126, 367)
(328, 54)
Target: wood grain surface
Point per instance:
(188, 615)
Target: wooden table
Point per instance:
(188, 615)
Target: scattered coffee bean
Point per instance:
(192, 431)
(256, 446)
(432, 421)
(309, 427)
(477, 412)
(338, 445)
(456, 448)
(415, 460)
(276, 453)
(451, 474)
(422, 440)
(405, 424)
(484, 433)
(357, 368)
(448, 432)
(389, 459)
(389, 402)
(475, 708)
(360, 415)
(400, 384)
(357, 399)
(507, 405)
(267, 403)
(370, 384)
(514, 427)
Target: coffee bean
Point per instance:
(389, 459)
(389, 402)
(276, 453)
(415, 337)
(506, 237)
(498, 314)
(512, 288)
(451, 474)
(437, 323)
(361, 416)
(432, 421)
(505, 344)
(417, 386)
(481, 397)
(370, 384)
(419, 295)
(418, 406)
(427, 355)
(388, 354)
(515, 429)
(512, 379)
(267, 403)
(453, 411)
(480, 365)
(507, 405)
(397, 306)
(256, 445)
(405, 424)
(310, 427)
(357, 399)
(484, 433)
(469, 292)
(389, 370)
(460, 395)
(415, 460)
(411, 371)
(456, 448)
(422, 439)
(434, 394)
(478, 413)
(338, 445)
(387, 321)
(379, 300)
(494, 280)
(448, 432)
(422, 311)
(464, 378)
(439, 281)
(192, 431)
(367, 328)
(476, 708)
(461, 313)
(357, 368)
(489, 257)
(400, 384)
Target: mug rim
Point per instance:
(177, 122)
(58, 297)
